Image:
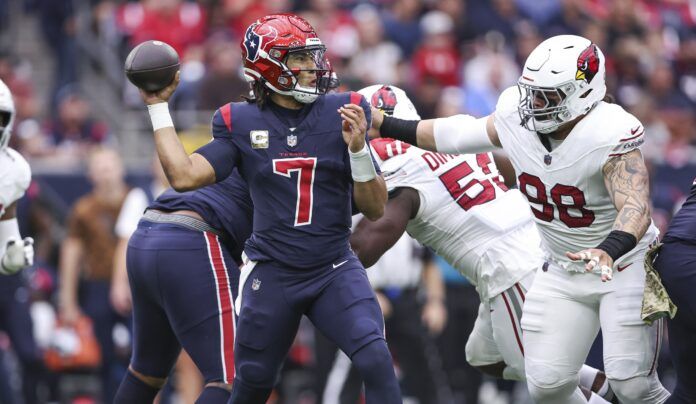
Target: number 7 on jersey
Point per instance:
(304, 167)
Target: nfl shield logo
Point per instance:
(292, 140)
(547, 159)
(255, 284)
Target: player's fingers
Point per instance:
(353, 121)
(574, 256)
(606, 272)
(590, 266)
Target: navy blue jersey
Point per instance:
(683, 224)
(226, 206)
(299, 178)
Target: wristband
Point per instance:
(617, 244)
(399, 129)
(159, 115)
(361, 166)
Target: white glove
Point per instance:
(18, 254)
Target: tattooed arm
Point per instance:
(626, 179)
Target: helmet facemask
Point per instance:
(302, 64)
(5, 127)
(544, 109)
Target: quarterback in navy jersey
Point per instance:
(676, 264)
(305, 157)
(186, 250)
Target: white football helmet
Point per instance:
(562, 79)
(7, 115)
(392, 101)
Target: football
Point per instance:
(152, 65)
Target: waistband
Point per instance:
(181, 220)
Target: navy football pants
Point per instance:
(337, 298)
(676, 264)
(182, 282)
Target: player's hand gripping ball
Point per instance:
(152, 66)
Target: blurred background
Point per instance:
(63, 62)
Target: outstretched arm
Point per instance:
(184, 172)
(454, 134)
(371, 240)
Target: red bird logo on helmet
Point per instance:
(588, 64)
(384, 99)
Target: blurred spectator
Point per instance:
(402, 26)
(86, 261)
(72, 133)
(377, 60)
(494, 15)
(58, 26)
(487, 75)
(176, 22)
(569, 18)
(437, 57)
(625, 19)
(223, 81)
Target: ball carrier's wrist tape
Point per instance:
(159, 115)
(361, 166)
(618, 243)
(399, 129)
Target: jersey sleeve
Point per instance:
(506, 116)
(221, 152)
(628, 134)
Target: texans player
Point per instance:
(183, 272)
(458, 206)
(676, 264)
(304, 155)
(578, 162)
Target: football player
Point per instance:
(676, 264)
(577, 160)
(15, 252)
(186, 250)
(305, 157)
(458, 206)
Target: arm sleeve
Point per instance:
(221, 152)
(462, 134)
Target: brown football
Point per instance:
(152, 65)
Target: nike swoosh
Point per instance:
(621, 268)
(341, 263)
(633, 131)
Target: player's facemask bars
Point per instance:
(541, 109)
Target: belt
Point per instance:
(182, 220)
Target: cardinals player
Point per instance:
(458, 206)
(15, 175)
(578, 162)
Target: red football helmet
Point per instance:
(269, 42)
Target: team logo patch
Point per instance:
(588, 64)
(384, 99)
(255, 284)
(253, 40)
(547, 159)
(259, 139)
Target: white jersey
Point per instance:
(565, 187)
(15, 176)
(464, 206)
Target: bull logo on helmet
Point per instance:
(253, 40)
(588, 64)
(384, 99)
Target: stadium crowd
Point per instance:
(450, 56)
